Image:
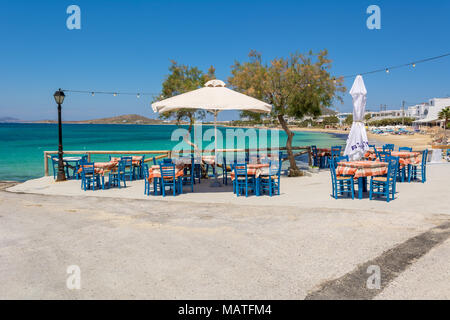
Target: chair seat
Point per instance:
(380, 179)
(343, 178)
(267, 177)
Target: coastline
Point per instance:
(416, 141)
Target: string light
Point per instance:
(385, 70)
(388, 69)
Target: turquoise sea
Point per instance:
(22, 145)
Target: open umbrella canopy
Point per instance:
(214, 97)
(357, 142)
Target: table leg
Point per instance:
(360, 187)
(257, 186)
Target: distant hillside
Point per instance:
(8, 119)
(125, 119)
(327, 112)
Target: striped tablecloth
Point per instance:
(360, 169)
(102, 167)
(405, 157)
(136, 160)
(323, 152)
(255, 170)
(155, 172)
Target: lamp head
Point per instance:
(59, 96)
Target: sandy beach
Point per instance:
(416, 141)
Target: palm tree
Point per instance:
(445, 115)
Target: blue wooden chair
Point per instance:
(117, 175)
(388, 147)
(316, 160)
(243, 183)
(90, 180)
(385, 186)
(55, 164)
(271, 180)
(196, 168)
(335, 152)
(419, 171)
(342, 184)
(226, 170)
(140, 168)
(168, 179)
(77, 174)
(383, 155)
(339, 159)
(129, 169)
(146, 181)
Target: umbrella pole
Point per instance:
(216, 183)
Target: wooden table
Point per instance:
(361, 170)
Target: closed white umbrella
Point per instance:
(214, 97)
(357, 142)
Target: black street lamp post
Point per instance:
(59, 98)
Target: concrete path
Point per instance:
(153, 249)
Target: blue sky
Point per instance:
(127, 45)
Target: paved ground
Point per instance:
(162, 249)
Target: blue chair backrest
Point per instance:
(84, 159)
(122, 165)
(154, 161)
(167, 170)
(342, 158)
(167, 161)
(388, 147)
(87, 168)
(383, 155)
(405, 149)
(145, 168)
(240, 169)
(336, 151)
(392, 168)
(128, 161)
(314, 150)
(424, 157)
(333, 172)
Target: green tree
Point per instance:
(349, 120)
(330, 120)
(295, 86)
(181, 79)
(444, 114)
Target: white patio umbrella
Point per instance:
(214, 97)
(357, 142)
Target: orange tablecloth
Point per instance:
(254, 169)
(102, 167)
(323, 152)
(136, 160)
(360, 169)
(405, 157)
(155, 172)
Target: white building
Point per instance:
(434, 106)
(419, 111)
